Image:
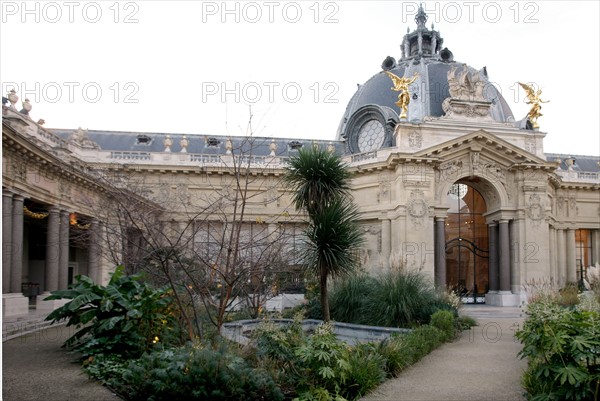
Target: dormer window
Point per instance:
(143, 140)
(212, 142)
(294, 145)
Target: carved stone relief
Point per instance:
(493, 172)
(474, 163)
(450, 171)
(535, 210)
(415, 140)
(64, 189)
(385, 189)
(530, 145)
(572, 201)
(19, 169)
(376, 231)
(417, 208)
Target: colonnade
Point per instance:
(56, 271)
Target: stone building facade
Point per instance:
(459, 189)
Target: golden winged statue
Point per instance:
(533, 98)
(401, 85)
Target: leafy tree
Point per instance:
(321, 184)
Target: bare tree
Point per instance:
(225, 246)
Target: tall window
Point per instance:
(467, 243)
(583, 251)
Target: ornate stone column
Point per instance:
(571, 266)
(504, 256)
(6, 240)
(16, 268)
(63, 261)
(386, 243)
(561, 257)
(440, 251)
(493, 258)
(52, 250)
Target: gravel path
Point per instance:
(482, 364)
(35, 367)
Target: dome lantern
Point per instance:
(421, 42)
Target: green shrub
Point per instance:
(275, 352)
(347, 299)
(568, 296)
(195, 373)
(324, 364)
(106, 368)
(367, 371)
(444, 321)
(403, 299)
(562, 346)
(420, 342)
(397, 299)
(465, 323)
(392, 350)
(125, 317)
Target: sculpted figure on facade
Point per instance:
(533, 98)
(467, 99)
(81, 138)
(401, 85)
(467, 85)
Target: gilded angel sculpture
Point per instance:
(401, 85)
(534, 100)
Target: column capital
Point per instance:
(503, 221)
(441, 218)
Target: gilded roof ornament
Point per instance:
(533, 98)
(401, 85)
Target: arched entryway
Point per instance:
(467, 244)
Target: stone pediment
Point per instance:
(489, 163)
(481, 143)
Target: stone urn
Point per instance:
(12, 97)
(26, 107)
(184, 142)
(168, 142)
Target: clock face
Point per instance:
(371, 136)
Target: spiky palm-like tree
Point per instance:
(320, 183)
(316, 176)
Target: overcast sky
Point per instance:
(196, 67)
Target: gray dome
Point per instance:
(421, 54)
